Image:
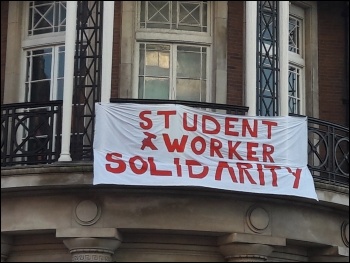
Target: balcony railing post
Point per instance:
(107, 50)
(284, 35)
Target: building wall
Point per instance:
(235, 58)
(332, 60)
(4, 23)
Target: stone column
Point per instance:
(6, 243)
(236, 252)
(68, 80)
(85, 249)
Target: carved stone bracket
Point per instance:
(84, 249)
(240, 247)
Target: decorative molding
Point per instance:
(91, 249)
(235, 252)
(91, 257)
(257, 219)
(87, 212)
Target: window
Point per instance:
(286, 58)
(44, 77)
(44, 50)
(267, 59)
(186, 63)
(173, 46)
(296, 62)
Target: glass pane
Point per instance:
(60, 89)
(141, 87)
(41, 68)
(142, 12)
(294, 35)
(49, 16)
(294, 89)
(204, 16)
(156, 88)
(204, 65)
(203, 91)
(188, 89)
(179, 15)
(292, 81)
(142, 61)
(46, 17)
(62, 14)
(158, 11)
(40, 91)
(157, 60)
(43, 24)
(174, 14)
(61, 64)
(267, 80)
(189, 13)
(189, 64)
(28, 66)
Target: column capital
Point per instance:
(241, 247)
(240, 252)
(87, 249)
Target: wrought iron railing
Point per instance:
(328, 152)
(30, 133)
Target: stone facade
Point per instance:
(44, 207)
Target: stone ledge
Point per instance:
(251, 239)
(88, 232)
(78, 174)
(58, 167)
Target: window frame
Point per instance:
(298, 60)
(173, 38)
(174, 31)
(311, 99)
(172, 68)
(53, 40)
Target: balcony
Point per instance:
(31, 134)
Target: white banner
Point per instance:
(175, 145)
